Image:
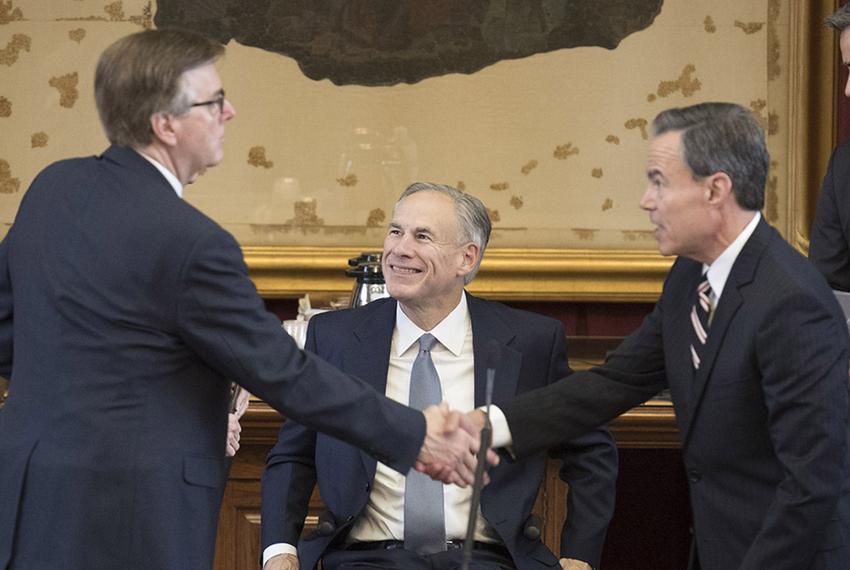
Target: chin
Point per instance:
(400, 293)
(664, 250)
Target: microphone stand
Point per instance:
(478, 485)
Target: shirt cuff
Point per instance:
(278, 548)
(501, 432)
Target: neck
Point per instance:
(428, 317)
(732, 225)
(162, 156)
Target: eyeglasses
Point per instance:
(218, 101)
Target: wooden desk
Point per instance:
(651, 426)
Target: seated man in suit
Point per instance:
(380, 519)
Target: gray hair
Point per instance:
(840, 19)
(472, 219)
(142, 74)
(721, 137)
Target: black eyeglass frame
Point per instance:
(219, 100)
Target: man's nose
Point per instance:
(647, 201)
(229, 110)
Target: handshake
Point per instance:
(452, 440)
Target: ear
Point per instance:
(163, 126)
(469, 256)
(719, 187)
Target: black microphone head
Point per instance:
(531, 529)
(327, 524)
(492, 354)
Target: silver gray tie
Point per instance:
(424, 521)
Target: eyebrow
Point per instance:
(418, 229)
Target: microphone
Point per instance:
(491, 358)
(531, 529)
(327, 524)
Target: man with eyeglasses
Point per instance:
(124, 314)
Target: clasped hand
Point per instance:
(451, 441)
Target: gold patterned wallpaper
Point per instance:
(554, 143)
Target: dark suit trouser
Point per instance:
(401, 559)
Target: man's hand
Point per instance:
(233, 431)
(573, 564)
(477, 418)
(282, 562)
(451, 442)
(233, 428)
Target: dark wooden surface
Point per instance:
(650, 528)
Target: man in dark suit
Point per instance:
(123, 310)
(829, 248)
(752, 344)
(434, 245)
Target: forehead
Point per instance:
(203, 79)
(665, 152)
(426, 208)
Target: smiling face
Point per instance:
(679, 206)
(424, 259)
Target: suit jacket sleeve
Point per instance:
(828, 248)
(223, 320)
(552, 416)
(804, 380)
(6, 312)
(289, 478)
(589, 466)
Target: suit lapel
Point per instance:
(487, 327)
(368, 357)
(742, 273)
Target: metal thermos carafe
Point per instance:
(370, 280)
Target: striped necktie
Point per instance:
(699, 321)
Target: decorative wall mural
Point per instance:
(564, 151)
(66, 85)
(8, 184)
(257, 157)
(405, 41)
(540, 108)
(38, 140)
(8, 13)
(18, 43)
(749, 27)
(686, 84)
(528, 166)
(640, 124)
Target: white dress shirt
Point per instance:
(718, 271)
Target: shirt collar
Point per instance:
(167, 173)
(450, 332)
(718, 272)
